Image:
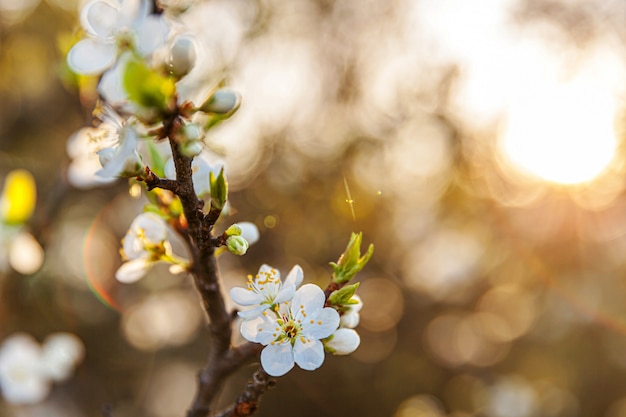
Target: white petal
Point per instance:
(90, 57)
(253, 312)
(250, 329)
(309, 297)
(286, 293)
(151, 225)
(344, 341)
(295, 276)
(277, 359)
(266, 268)
(170, 169)
(245, 297)
(133, 270)
(309, 355)
(151, 34)
(322, 325)
(269, 330)
(99, 18)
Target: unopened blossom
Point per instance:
(145, 244)
(343, 342)
(292, 331)
(266, 290)
(350, 318)
(113, 26)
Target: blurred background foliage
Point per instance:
(478, 145)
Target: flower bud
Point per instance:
(234, 230)
(191, 148)
(224, 102)
(237, 245)
(182, 56)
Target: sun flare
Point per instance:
(561, 134)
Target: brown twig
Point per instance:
(248, 402)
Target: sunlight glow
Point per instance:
(562, 134)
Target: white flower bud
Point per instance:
(182, 56)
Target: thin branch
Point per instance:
(248, 402)
(153, 181)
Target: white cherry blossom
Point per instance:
(266, 290)
(292, 332)
(112, 26)
(145, 244)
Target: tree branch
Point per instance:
(248, 402)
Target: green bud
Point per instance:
(233, 230)
(219, 190)
(237, 245)
(224, 102)
(191, 148)
(342, 296)
(351, 261)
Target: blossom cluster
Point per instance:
(297, 323)
(28, 369)
(140, 57)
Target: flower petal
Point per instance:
(308, 354)
(266, 269)
(322, 325)
(344, 341)
(309, 298)
(151, 34)
(133, 271)
(245, 297)
(99, 18)
(91, 57)
(250, 329)
(295, 276)
(253, 312)
(286, 293)
(277, 359)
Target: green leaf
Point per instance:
(157, 162)
(219, 190)
(342, 296)
(351, 261)
(146, 87)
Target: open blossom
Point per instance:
(292, 331)
(266, 290)
(144, 245)
(111, 26)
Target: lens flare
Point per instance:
(561, 134)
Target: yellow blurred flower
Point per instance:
(18, 198)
